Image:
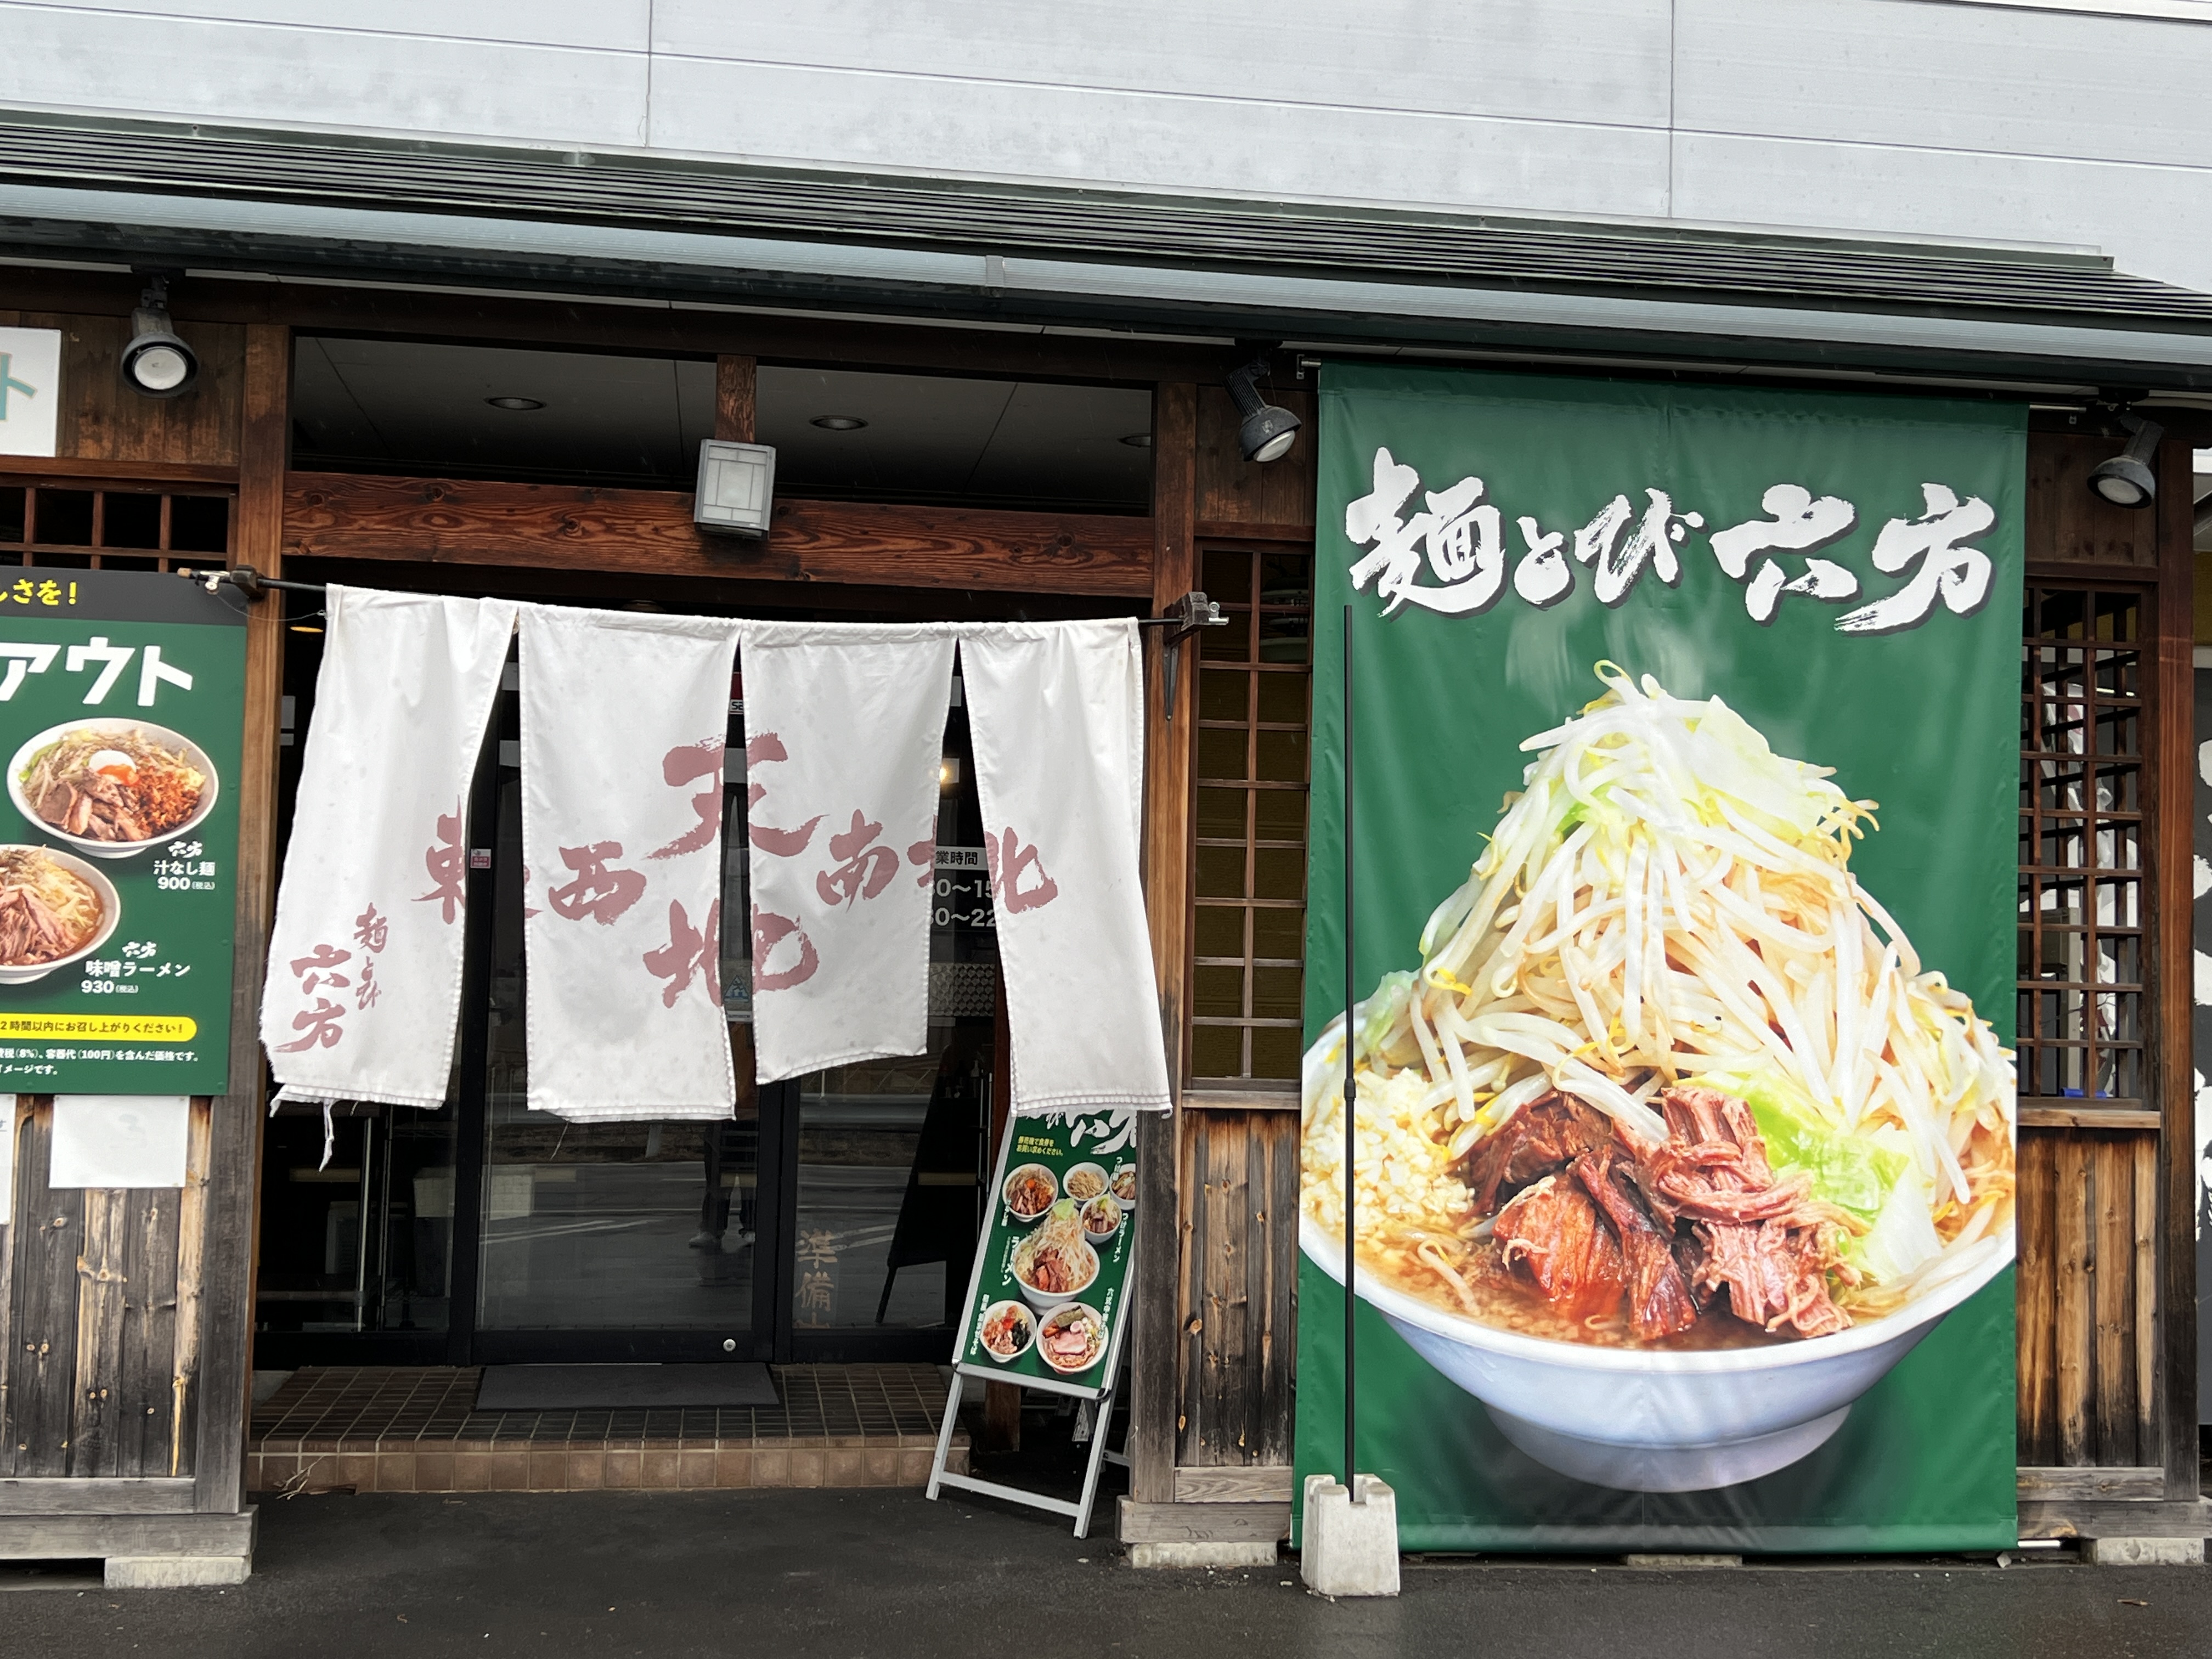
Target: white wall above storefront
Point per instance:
(2039, 123)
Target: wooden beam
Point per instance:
(737, 399)
(229, 1240)
(1142, 1523)
(1152, 1428)
(74, 1537)
(63, 470)
(66, 1495)
(2169, 1518)
(2171, 797)
(456, 521)
(2063, 1485)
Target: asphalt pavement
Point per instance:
(854, 1575)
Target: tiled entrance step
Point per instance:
(417, 1429)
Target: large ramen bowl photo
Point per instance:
(1637, 1420)
(1672, 1147)
(54, 909)
(113, 787)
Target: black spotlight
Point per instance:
(2127, 480)
(1268, 430)
(156, 364)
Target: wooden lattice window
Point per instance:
(112, 526)
(2083, 951)
(1249, 776)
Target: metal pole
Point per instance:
(1351, 1091)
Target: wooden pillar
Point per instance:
(2171, 797)
(233, 1167)
(1167, 902)
(736, 384)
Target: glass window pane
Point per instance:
(1278, 872)
(1217, 1051)
(1217, 993)
(890, 1156)
(1283, 638)
(1283, 755)
(1283, 699)
(1221, 813)
(1276, 1051)
(1227, 576)
(1277, 992)
(1230, 643)
(1279, 814)
(1223, 695)
(200, 523)
(1218, 931)
(65, 518)
(1279, 931)
(1221, 753)
(1286, 579)
(131, 519)
(1220, 872)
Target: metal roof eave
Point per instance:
(945, 284)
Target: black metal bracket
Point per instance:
(1190, 613)
(247, 581)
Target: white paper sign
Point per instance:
(120, 1140)
(8, 1126)
(30, 390)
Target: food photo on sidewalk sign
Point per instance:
(1686, 734)
(1045, 1307)
(122, 697)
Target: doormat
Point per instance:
(622, 1387)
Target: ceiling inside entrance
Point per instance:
(409, 407)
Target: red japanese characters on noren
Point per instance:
(689, 954)
(600, 890)
(690, 763)
(447, 862)
(1009, 863)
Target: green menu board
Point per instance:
(122, 699)
(1046, 1302)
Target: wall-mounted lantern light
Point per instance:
(737, 487)
(1267, 430)
(2127, 480)
(156, 364)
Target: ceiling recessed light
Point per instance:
(305, 628)
(838, 423)
(514, 403)
(1138, 441)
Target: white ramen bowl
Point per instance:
(110, 914)
(1029, 1332)
(1045, 1301)
(1640, 1420)
(165, 736)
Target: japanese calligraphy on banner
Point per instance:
(844, 737)
(363, 990)
(121, 705)
(1685, 726)
(623, 721)
(1049, 1293)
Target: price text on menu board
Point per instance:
(122, 697)
(1051, 1279)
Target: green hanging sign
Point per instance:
(122, 702)
(1686, 722)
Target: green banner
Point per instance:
(122, 698)
(1685, 727)
(1046, 1304)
